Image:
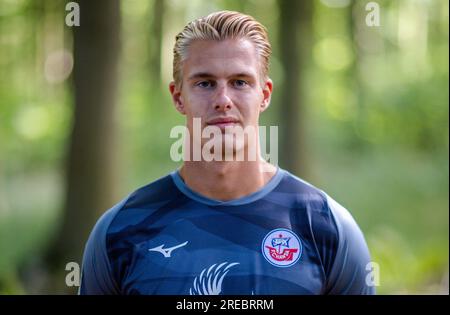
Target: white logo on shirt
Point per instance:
(166, 251)
(210, 282)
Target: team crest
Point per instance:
(282, 247)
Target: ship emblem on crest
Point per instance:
(281, 247)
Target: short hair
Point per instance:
(219, 26)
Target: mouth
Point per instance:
(223, 122)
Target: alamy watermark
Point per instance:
(73, 277)
(373, 274)
(73, 17)
(373, 17)
(232, 143)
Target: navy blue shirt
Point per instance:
(287, 238)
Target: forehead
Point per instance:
(221, 58)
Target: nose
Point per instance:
(222, 100)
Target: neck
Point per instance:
(225, 180)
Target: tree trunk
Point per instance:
(295, 31)
(156, 33)
(91, 177)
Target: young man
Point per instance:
(225, 226)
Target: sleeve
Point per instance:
(96, 274)
(348, 274)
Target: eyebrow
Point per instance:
(200, 75)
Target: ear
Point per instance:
(267, 93)
(176, 97)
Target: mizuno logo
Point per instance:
(166, 251)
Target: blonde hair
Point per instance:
(220, 26)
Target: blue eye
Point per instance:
(204, 84)
(240, 83)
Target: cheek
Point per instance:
(196, 106)
(252, 107)
(250, 115)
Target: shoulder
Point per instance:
(317, 213)
(144, 197)
(108, 240)
(326, 214)
(143, 201)
(338, 238)
(303, 196)
(159, 190)
(308, 197)
(310, 210)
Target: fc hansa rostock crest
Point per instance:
(281, 247)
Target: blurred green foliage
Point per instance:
(376, 121)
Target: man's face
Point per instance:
(221, 85)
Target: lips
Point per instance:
(222, 122)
